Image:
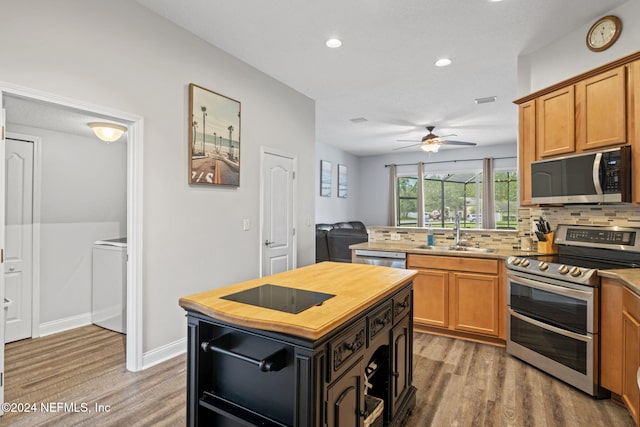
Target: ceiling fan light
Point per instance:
(107, 132)
(430, 148)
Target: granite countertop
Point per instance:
(629, 276)
(413, 248)
(354, 287)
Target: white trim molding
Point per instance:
(65, 324)
(164, 353)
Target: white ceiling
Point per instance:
(385, 70)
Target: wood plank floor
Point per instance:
(459, 384)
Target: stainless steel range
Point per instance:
(553, 301)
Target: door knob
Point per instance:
(12, 268)
(268, 243)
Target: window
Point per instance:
(446, 195)
(407, 202)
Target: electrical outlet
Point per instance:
(245, 224)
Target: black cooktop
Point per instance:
(280, 298)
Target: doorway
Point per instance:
(134, 199)
(278, 205)
(20, 249)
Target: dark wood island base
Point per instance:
(239, 375)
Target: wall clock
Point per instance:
(604, 33)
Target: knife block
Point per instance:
(548, 247)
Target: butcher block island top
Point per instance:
(354, 287)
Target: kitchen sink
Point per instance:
(458, 249)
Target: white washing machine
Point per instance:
(109, 288)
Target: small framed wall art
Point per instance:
(325, 178)
(342, 181)
(214, 138)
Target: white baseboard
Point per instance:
(65, 324)
(164, 353)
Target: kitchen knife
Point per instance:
(541, 237)
(548, 226)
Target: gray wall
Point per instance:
(334, 209)
(118, 55)
(569, 55)
(83, 199)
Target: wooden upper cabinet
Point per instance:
(601, 110)
(556, 122)
(526, 148)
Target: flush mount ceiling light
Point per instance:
(108, 132)
(333, 43)
(443, 62)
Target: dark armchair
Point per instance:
(333, 240)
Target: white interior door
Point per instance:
(2, 131)
(278, 231)
(18, 238)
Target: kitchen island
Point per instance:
(333, 349)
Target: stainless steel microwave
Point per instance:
(598, 177)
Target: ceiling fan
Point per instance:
(432, 142)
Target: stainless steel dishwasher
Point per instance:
(384, 258)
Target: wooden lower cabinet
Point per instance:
(630, 364)
(620, 343)
(431, 289)
(459, 296)
(474, 303)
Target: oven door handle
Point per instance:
(561, 290)
(543, 325)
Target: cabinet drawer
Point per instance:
(379, 322)
(401, 305)
(475, 265)
(345, 347)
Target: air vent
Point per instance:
(359, 120)
(485, 100)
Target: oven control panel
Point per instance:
(606, 236)
(620, 238)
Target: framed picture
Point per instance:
(342, 181)
(325, 178)
(214, 138)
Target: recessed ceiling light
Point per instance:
(333, 43)
(443, 62)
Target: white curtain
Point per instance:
(393, 196)
(420, 198)
(488, 199)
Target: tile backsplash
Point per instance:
(600, 215)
